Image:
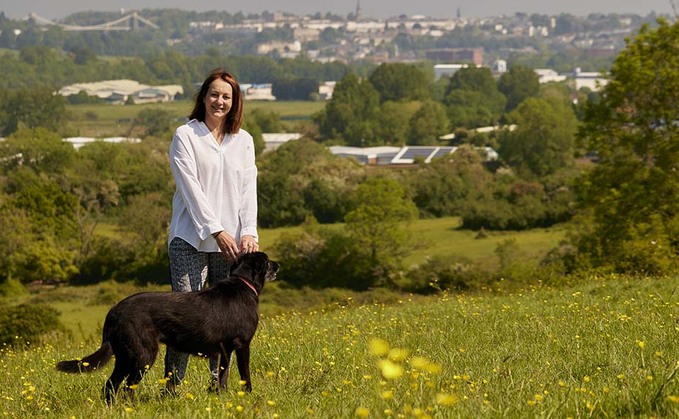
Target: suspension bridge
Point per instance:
(129, 22)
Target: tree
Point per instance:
(379, 227)
(287, 88)
(157, 121)
(32, 108)
(629, 202)
(473, 99)
(392, 121)
(39, 149)
(349, 115)
(518, 84)
(399, 82)
(428, 123)
(543, 141)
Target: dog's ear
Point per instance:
(234, 266)
(260, 262)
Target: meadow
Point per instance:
(607, 347)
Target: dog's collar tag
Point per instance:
(249, 286)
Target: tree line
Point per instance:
(55, 201)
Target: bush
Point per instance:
(440, 273)
(27, 324)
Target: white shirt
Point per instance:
(216, 186)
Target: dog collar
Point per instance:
(249, 286)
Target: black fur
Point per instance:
(212, 322)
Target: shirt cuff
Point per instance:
(250, 231)
(209, 230)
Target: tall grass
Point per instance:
(606, 348)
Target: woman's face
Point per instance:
(218, 100)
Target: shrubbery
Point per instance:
(27, 323)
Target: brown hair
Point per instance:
(234, 119)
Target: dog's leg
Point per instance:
(224, 367)
(111, 386)
(243, 360)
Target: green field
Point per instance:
(104, 120)
(606, 348)
(600, 347)
(432, 237)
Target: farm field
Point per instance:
(104, 120)
(605, 348)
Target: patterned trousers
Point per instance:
(190, 270)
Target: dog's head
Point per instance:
(256, 267)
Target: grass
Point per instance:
(605, 348)
(442, 237)
(83, 308)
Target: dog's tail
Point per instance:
(90, 363)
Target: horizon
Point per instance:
(378, 9)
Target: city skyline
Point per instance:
(369, 8)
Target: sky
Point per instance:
(57, 9)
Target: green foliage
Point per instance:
(40, 149)
(302, 178)
(444, 186)
(473, 98)
(27, 324)
(12, 288)
(428, 124)
(157, 122)
(515, 204)
(518, 84)
(367, 253)
(32, 108)
(379, 227)
(543, 142)
(399, 82)
(451, 273)
(294, 89)
(392, 121)
(349, 115)
(630, 196)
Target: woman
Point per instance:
(214, 209)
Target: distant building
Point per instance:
(546, 75)
(367, 155)
(591, 80)
(260, 91)
(387, 155)
(82, 141)
(273, 140)
(499, 66)
(456, 55)
(119, 91)
(447, 70)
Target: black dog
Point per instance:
(212, 322)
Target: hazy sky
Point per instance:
(56, 9)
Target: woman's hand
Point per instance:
(248, 244)
(227, 245)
